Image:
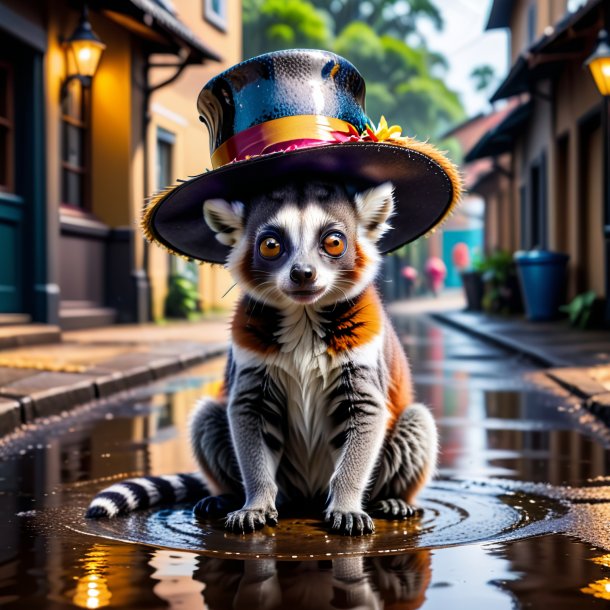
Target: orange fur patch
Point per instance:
(361, 260)
(254, 327)
(357, 326)
(416, 485)
(400, 388)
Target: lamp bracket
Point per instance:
(179, 68)
(84, 80)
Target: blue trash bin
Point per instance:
(542, 275)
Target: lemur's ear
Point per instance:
(374, 208)
(225, 219)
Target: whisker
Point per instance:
(227, 292)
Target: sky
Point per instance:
(466, 44)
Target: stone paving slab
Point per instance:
(50, 393)
(10, 415)
(28, 334)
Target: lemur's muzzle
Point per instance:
(303, 275)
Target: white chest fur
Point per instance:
(306, 373)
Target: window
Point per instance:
(165, 146)
(75, 146)
(7, 128)
(215, 12)
(534, 206)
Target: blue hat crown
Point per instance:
(282, 84)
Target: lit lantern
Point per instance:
(599, 63)
(86, 48)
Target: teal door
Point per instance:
(12, 204)
(11, 258)
(24, 284)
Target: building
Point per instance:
(546, 188)
(78, 156)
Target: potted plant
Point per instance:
(472, 281)
(182, 299)
(501, 286)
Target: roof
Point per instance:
(157, 21)
(472, 129)
(499, 16)
(500, 139)
(569, 39)
(517, 81)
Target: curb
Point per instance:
(43, 394)
(538, 357)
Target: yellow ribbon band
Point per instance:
(299, 130)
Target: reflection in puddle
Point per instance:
(92, 588)
(347, 583)
(174, 572)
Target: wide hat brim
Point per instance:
(427, 187)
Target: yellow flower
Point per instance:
(383, 132)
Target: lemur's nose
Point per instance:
(302, 274)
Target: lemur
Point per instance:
(317, 405)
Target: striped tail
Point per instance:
(142, 492)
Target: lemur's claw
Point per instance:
(350, 523)
(215, 507)
(395, 509)
(249, 520)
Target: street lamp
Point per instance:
(599, 65)
(86, 49)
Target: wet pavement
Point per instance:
(517, 517)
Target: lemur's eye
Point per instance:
(270, 247)
(334, 244)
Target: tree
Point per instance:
(399, 76)
(270, 25)
(399, 83)
(398, 18)
(483, 76)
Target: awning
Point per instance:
(500, 139)
(499, 16)
(569, 39)
(516, 82)
(155, 22)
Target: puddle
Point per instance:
(454, 513)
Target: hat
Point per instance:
(299, 113)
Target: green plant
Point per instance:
(502, 293)
(478, 262)
(182, 299)
(584, 310)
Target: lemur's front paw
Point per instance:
(395, 508)
(350, 523)
(250, 519)
(215, 507)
